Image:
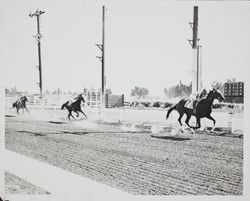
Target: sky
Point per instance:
(145, 43)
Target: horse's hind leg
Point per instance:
(70, 114)
(198, 120)
(187, 120)
(77, 114)
(179, 119)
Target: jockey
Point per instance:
(23, 100)
(200, 96)
(76, 97)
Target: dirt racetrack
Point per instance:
(136, 162)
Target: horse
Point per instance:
(203, 108)
(21, 104)
(74, 106)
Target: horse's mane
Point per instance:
(212, 90)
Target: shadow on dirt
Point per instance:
(7, 115)
(33, 133)
(56, 122)
(174, 138)
(94, 132)
(76, 133)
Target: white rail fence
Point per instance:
(156, 117)
(53, 102)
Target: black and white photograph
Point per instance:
(124, 100)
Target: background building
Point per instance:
(234, 92)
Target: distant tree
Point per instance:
(179, 90)
(57, 92)
(7, 91)
(231, 80)
(14, 90)
(139, 92)
(47, 92)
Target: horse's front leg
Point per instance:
(27, 110)
(84, 114)
(211, 118)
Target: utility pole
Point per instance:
(102, 58)
(38, 37)
(196, 67)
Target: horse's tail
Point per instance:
(64, 105)
(14, 105)
(170, 110)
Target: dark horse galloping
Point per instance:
(204, 108)
(21, 104)
(74, 106)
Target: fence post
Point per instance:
(230, 122)
(122, 100)
(91, 99)
(106, 100)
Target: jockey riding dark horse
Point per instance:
(203, 108)
(21, 104)
(74, 106)
(200, 96)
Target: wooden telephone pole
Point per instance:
(38, 37)
(102, 58)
